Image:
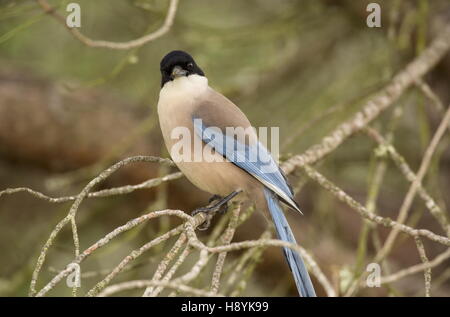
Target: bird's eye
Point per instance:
(190, 65)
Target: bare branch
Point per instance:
(383, 99)
(173, 269)
(150, 291)
(228, 236)
(74, 208)
(220, 241)
(145, 283)
(429, 93)
(315, 269)
(403, 213)
(101, 193)
(403, 166)
(168, 22)
(354, 205)
(106, 239)
(416, 268)
(426, 271)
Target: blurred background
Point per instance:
(68, 111)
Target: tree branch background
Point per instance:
(363, 114)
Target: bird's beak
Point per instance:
(178, 72)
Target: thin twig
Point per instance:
(354, 205)
(426, 271)
(310, 262)
(146, 283)
(168, 22)
(416, 268)
(74, 208)
(106, 239)
(382, 100)
(228, 236)
(165, 263)
(429, 93)
(404, 168)
(196, 221)
(122, 190)
(173, 269)
(403, 213)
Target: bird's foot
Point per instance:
(217, 204)
(215, 198)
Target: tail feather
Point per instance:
(296, 264)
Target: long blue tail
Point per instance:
(298, 268)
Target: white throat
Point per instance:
(185, 87)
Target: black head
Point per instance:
(177, 64)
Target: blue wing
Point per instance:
(254, 159)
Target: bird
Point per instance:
(195, 120)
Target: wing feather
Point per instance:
(254, 159)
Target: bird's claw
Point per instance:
(205, 226)
(221, 207)
(214, 198)
(210, 211)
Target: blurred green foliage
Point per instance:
(304, 66)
